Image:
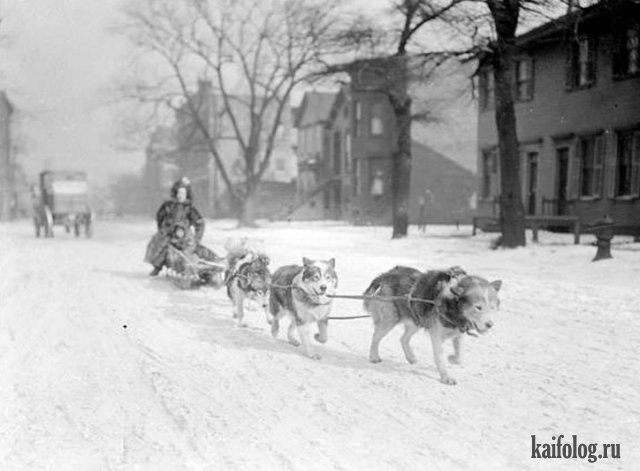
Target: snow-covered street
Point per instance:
(105, 368)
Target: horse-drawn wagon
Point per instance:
(61, 198)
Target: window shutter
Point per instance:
(619, 54)
(635, 159)
(569, 79)
(532, 77)
(574, 171)
(593, 60)
(611, 161)
(498, 172)
(522, 157)
(598, 163)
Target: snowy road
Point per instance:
(104, 368)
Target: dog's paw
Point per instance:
(294, 342)
(315, 356)
(448, 380)
(241, 324)
(375, 359)
(454, 360)
(320, 338)
(412, 360)
(235, 315)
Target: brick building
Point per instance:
(577, 91)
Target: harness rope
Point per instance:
(409, 298)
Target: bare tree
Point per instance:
(504, 17)
(254, 53)
(385, 51)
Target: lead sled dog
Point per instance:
(461, 304)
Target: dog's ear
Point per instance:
(306, 262)
(496, 284)
(457, 290)
(332, 263)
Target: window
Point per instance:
(590, 153)
(581, 67)
(524, 79)
(357, 117)
(376, 127)
(486, 89)
(626, 60)
(628, 163)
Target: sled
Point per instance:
(188, 271)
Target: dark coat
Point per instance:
(172, 212)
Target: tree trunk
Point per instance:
(247, 216)
(511, 208)
(401, 161)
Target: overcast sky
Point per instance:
(58, 59)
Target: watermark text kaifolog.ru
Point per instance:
(562, 447)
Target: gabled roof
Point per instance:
(315, 108)
(439, 164)
(599, 16)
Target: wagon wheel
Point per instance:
(48, 222)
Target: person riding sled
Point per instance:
(178, 210)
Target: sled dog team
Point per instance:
(447, 303)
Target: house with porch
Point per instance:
(346, 141)
(576, 83)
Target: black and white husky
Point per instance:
(461, 304)
(303, 293)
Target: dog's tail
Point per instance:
(372, 290)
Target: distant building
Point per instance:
(346, 141)
(577, 92)
(313, 149)
(198, 164)
(8, 195)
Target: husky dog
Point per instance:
(461, 304)
(248, 277)
(303, 293)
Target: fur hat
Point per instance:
(185, 183)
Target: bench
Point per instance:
(535, 223)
